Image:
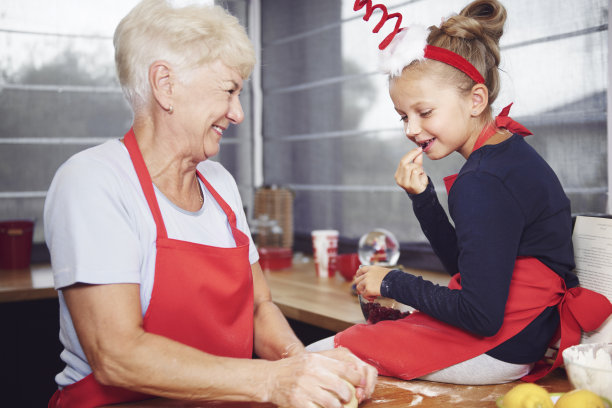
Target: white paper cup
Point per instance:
(325, 249)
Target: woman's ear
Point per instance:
(479, 99)
(160, 80)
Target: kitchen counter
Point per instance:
(32, 283)
(328, 303)
(394, 393)
(322, 302)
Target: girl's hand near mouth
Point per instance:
(410, 174)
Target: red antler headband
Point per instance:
(407, 44)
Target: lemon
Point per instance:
(580, 399)
(527, 395)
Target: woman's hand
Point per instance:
(310, 380)
(368, 280)
(410, 174)
(365, 389)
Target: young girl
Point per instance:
(509, 247)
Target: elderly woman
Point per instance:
(160, 290)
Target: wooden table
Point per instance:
(323, 302)
(394, 393)
(326, 303)
(32, 283)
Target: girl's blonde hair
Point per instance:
(187, 38)
(474, 34)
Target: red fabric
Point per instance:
(202, 297)
(501, 121)
(455, 60)
(506, 122)
(419, 344)
(449, 181)
(580, 310)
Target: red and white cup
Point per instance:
(325, 249)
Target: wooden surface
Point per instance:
(328, 303)
(323, 302)
(394, 393)
(32, 283)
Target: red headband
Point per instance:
(455, 60)
(431, 52)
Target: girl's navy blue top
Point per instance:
(506, 202)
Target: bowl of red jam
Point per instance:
(383, 308)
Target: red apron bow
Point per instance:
(580, 310)
(502, 121)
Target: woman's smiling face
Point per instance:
(436, 114)
(207, 104)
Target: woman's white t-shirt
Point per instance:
(99, 230)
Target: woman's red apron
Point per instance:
(202, 297)
(419, 344)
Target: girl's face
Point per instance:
(436, 114)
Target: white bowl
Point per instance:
(589, 367)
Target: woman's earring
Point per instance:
(170, 110)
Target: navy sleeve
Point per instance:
(435, 225)
(488, 224)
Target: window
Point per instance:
(330, 132)
(59, 95)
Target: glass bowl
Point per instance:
(589, 367)
(383, 308)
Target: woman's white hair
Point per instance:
(186, 37)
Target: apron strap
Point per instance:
(239, 237)
(506, 122)
(147, 187)
(502, 121)
(224, 206)
(145, 181)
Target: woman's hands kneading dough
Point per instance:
(313, 380)
(353, 402)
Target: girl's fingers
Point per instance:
(419, 158)
(412, 155)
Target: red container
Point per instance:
(347, 265)
(15, 244)
(275, 258)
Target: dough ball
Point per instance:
(353, 402)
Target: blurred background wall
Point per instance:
(328, 129)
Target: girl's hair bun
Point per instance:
(490, 15)
(474, 34)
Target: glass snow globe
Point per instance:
(380, 247)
